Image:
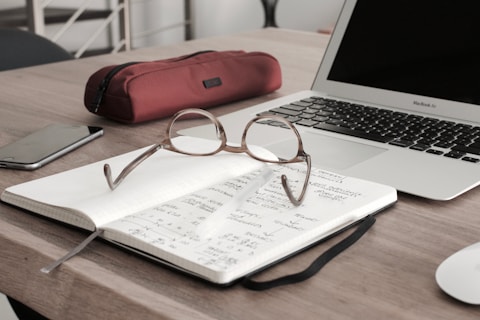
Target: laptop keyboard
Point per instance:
(424, 134)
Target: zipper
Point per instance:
(103, 86)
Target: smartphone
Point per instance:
(46, 145)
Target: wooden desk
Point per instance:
(388, 274)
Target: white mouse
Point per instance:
(459, 274)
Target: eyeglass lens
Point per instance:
(210, 131)
(258, 133)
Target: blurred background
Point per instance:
(162, 22)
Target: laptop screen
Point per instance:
(424, 47)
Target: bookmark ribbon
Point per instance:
(316, 265)
(72, 253)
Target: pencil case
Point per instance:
(135, 92)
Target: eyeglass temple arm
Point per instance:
(129, 168)
(288, 191)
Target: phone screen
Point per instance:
(45, 145)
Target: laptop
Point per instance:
(409, 63)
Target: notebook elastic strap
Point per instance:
(316, 265)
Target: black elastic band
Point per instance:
(316, 265)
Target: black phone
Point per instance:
(45, 145)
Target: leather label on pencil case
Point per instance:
(210, 83)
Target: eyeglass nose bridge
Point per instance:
(243, 148)
(236, 149)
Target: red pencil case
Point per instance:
(135, 92)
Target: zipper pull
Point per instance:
(103, 86)
(99, 96)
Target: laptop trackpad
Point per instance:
(332, 153)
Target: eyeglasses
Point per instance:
(216, 131)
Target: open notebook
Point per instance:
(172, 208)
(395, 99)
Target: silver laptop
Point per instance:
(414, 65)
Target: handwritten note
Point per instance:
(255, 229)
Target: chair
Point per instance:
(21, 48)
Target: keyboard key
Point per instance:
(355, 133)
(444, 145)
(320, 119)
(475, 145)
(435, 152)
(465, 149)
(420, 147)
(293, 107)
(454, 154)
(324, 113)
(287, 112)
(335, 122)
(402, 143)
(470, 159)
(307, 122)
(307, 115)
(302, 104)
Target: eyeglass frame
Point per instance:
(167, 144)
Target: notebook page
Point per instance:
(82, 197)
(264, 229)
